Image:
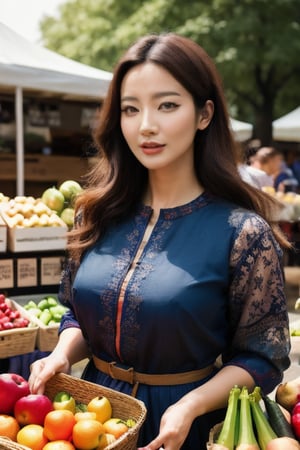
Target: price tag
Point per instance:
(6, 273)
(51, 270)
(26, 272)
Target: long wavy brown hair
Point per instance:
(116, 183)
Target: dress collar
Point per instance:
(179, 211)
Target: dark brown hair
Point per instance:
(116, 183)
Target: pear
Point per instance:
(288, 394)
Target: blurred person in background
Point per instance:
(252, 175)
(272, 162)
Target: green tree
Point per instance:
(255, 44)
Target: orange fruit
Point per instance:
(87, 433)
(115, 426)
(105, 440)
(85, 415)
(58, 424)
(9, 427)
(32, 436)
(59, 445)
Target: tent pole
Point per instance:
(19, 140)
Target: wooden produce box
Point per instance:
(18, 341)
(21, 239)
(3, 236)
(47, 335)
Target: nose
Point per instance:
(148, 124)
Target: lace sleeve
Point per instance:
(258, 315)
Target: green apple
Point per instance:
(67, 215)
(64, 400)
(70, 189)
(54, 199)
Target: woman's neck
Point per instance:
(165, 193)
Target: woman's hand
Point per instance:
(174, 428)
(43, 369)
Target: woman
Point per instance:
(173, 261)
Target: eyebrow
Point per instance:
(155, 96)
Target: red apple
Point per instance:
(32, 409)
(12, 387)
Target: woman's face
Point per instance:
(158, 117)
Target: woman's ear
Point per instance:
(206, 115)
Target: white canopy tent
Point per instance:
(25, 66)
(287, 127)
(241, 130)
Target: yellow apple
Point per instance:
(102, 407)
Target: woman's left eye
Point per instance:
(168, 106)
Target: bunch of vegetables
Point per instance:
(247, 426)
(48, 310)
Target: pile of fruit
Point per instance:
(3, 198)
(48, 310)
(61, 200)
(290, 202)
(39, 423)
(22, 211)
(10, 317)
(250, 426)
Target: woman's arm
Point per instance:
(178, 418)
(71, 348)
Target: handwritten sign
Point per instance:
(6, 273)
(26, 272)
(51, 270)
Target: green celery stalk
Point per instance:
(264, 431)
(226, 437)
(246, 436)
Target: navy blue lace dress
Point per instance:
(209, 282)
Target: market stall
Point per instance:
(28, 68)
(287, 127)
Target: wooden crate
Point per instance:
(18, 341)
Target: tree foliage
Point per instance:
(255, 44)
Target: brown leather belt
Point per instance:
(131, 376)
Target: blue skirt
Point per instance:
(157, 399)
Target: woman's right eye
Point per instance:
(129, 110)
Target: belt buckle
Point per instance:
(119, 373)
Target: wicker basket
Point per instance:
(18, 341)
(123, 406)
(7, 444)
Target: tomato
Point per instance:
(58, 424)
